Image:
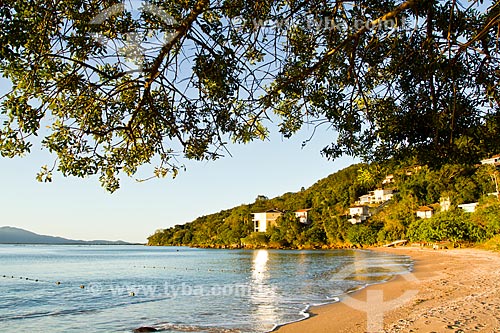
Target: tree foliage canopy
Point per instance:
(110, 90)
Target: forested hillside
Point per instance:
(330, 198)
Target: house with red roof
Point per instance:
(425, 212)
(301, 214)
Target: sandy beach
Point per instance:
(448, 291)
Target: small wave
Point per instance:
(48, 314)
(305, 312)
(169, 327)
(79, 311)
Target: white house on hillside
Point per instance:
(495, 160)
(264, 220)
(376, 197)
(366, 199)
(425, 212)
(301, 214)
(468, 207)
(358, 214)
(445, 204)
(382, 195)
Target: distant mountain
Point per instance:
(11, 235)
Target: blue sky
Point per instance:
(81, 209)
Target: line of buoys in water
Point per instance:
(57, 283)
(24, 278)
(148, 267)
(29, 279)
(197, 269)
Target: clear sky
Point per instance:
(81, 209)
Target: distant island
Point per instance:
(11, 235)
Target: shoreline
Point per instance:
(308, 312)
(447, 291)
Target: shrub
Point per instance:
(256, 239)
(362, 234)
(488, 216)
(454, 226)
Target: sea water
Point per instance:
(176, 289)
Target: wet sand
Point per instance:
(448, 291)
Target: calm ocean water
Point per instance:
(175, 289)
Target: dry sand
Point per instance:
(449, 291)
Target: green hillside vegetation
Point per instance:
(330, 198)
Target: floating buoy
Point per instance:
(132, 294)
(82, 287)
(58, 283)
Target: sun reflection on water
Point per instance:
(264, 297)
